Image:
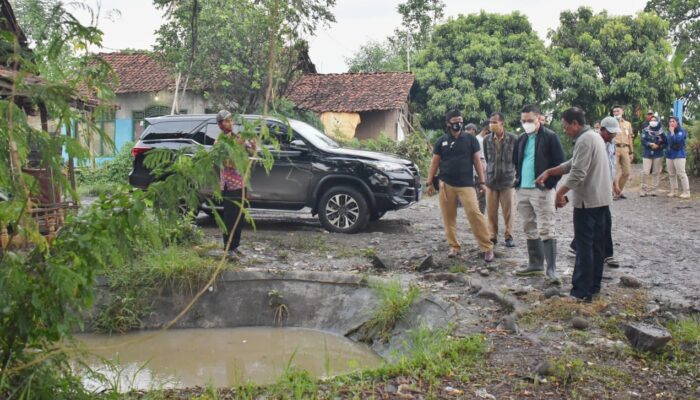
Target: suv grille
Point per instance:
(413, 169)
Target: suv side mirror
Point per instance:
(298, 144)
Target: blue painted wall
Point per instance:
(123, 132)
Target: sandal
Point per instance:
(453, 253)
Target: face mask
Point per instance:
(618, 117)
(456, 127)
(597, 130)
(494, 127)
(529, 127)
(653, 124)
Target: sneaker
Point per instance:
(494, 240)
(453, 253)
(232, 256)
(685, 195)
(489, 256)
(643, 194)
(622, 196)
(671, 194)
(510, 243)
(612, 262)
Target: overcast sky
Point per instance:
(358, 21)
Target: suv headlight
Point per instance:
(386, 166)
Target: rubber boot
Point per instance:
(550, 254)
(535, 252)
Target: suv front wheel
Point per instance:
(343, 209)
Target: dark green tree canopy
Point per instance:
(603, 60)
(683, 17)
(481, 63)
(376, 57)
(228, 43)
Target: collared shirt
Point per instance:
(527, 181)
(589, 171)
(612, 160)
(624, 138)
(456, 159)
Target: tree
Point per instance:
(604, 60)
(683, 17)
(481, 63)
(418, 17)
(224, 46)
(376, 57)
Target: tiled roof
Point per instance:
(139, 72)
(352, 92)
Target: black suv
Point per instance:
(346, 188)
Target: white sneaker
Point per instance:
(685, 195)
(672, 194)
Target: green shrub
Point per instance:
(110, 173)
(692, 149)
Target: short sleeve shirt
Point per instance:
(456, 159)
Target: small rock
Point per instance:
(645, 337)
(484, 272)
(378, 263)
(483, 394)
(552, 292)
(630, 282)
(426, 264)
(508, 324)
(389, 388)
(670, 316)
(452, 391)
(580, 323)
(544, 368)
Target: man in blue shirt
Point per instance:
(537, 150)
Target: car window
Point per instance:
(170, 129)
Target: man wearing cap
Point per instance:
(589, 185)
(231, 184)
(624, 143)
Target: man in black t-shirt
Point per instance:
(458, 154)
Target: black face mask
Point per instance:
(456, 127)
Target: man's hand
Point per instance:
(560, 200)
(631, 157)
(543, 177)
(616, 189)
(482, 188)
(431, 189)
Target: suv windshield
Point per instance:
(313, 135)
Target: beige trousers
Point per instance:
(624, 166)
(477, 221)
(536, 207)
(504, 198)
(651, 174)
(676, 170)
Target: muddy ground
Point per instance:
(656, 240)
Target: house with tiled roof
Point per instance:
(146, 89)
(357, 105)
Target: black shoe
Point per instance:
(586, 299)
(622, 196)
(494, 240)
(510, 243)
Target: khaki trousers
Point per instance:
(676, 168)
(624, 166)
(504, 198)
(651, 174)
(477, 221)
(536, 207)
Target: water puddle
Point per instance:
(221, 357)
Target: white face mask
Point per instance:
(653, 124)
(618, 117)
(529, 127)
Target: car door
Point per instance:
(289, 179)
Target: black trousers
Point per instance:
(608, 236)
(590, 236)
(232, 199)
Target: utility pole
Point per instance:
(409, 43)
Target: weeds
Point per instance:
(394, 303)
(131, 284)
